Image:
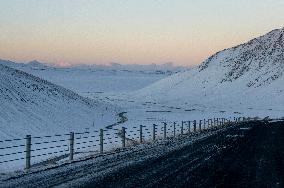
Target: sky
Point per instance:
(184, 32)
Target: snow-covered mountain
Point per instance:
(30, 105)
(166, 68)
(248, 76)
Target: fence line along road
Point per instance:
(33, 150)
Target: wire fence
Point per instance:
(35, 150)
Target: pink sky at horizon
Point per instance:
(131, 32)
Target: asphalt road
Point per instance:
(248, 156)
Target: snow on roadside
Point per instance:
(97, 166)
(32, 106)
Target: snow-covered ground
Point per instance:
(48, 112)
(96, 166)
(246, 80)
(99, 80)
(32, 106)
(243, 81)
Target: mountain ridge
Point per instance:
(250, 74)
(256, 53)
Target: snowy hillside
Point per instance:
(30, 105)
(242, 78)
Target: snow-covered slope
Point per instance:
(248, 76)
(30, 105)
(94, 80)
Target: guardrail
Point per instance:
(32, 150)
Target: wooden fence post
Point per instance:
(101, 140)
(71, 142)
(165, 130)
(208, 123)
(200, 124)
(217, 122)
(181, 130)
(188, 126)
(141, 133)
(194, 126)
(174, 129)
(204, 124)
(28, 151)
(123, 137)
(154, 132)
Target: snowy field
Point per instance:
(99, 79)
(49, 112)
(96, 168)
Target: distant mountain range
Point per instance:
(168, 68)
